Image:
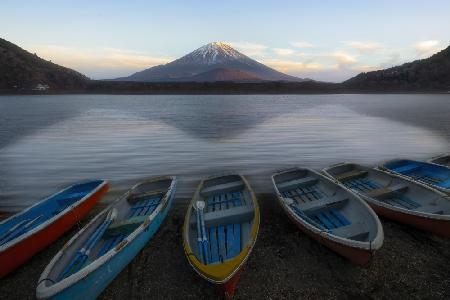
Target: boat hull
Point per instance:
(436, 226)
(14, 256)
(91, 286)
(227, 288)
(357, 256)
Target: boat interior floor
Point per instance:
(395, 195)
(314, 206)
(422, 174)
(227, 223)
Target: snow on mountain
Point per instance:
(199, 64)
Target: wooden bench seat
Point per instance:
(387, 191)
(351, 174)
(355, 231)
(289, 185)
(124, 226)
(234, 215)
(322, 203)
(223, 188)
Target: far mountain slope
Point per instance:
(430, 74)
(19, 69)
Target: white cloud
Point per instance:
(289, 66)
(99, 63)
(343, 58)
(364, 47)
(302, 44)
(250, 49)
(427, 48)
(283, 51)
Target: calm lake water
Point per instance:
(47, 142)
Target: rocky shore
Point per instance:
(284, 264)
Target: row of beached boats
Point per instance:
(338, 207)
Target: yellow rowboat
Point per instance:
(220, 229)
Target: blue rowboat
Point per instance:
(26, 233)
(436, 176)
(85, 266)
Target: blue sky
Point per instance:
(330, 40)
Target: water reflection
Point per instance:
(136, 137)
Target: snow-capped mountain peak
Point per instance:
(212, 53)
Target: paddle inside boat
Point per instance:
(433, 175)
(220, 229)
(24, 234)
(443, 160)
(95, 255)
(329, 213)
(397, 198)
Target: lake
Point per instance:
(47, 142)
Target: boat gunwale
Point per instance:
(43, 291)
(398, 209)
(53, 219)
(188, 252)
(372, 245)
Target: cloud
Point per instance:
(302, 44)
(99, 63)
(427, 48)
(289, 66)
(343, 58)
(250, 49)
(283, 51)
(364, 47)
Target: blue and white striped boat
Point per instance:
(95, 256)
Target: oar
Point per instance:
(83, 253)
(201, 233)
(18, 230)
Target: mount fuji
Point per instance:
(212, 62)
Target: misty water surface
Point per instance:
(47, 142)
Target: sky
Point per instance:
(323, 40)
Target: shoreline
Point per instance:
(285, 263)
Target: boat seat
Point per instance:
(322, 203)
(234, 215)
(133, 198)
(223, 188)
(124, 226)
(289, 185)
(406, 168)
(355, 231)
(350, 175)
(387, 191)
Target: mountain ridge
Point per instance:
(432, 73)
(20, 69)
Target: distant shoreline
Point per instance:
(215, 88)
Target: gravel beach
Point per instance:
(284, 264)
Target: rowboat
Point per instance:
(26, 233)
(443, 160)
(85, 266)
(220, 229)
(430, 174)
(397, 198)
(329, 213)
